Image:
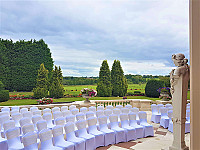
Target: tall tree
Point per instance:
(41, 89)
(104, 87)
(56, 89)
(118, 80)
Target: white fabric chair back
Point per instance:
(154, 109)
(22, 110)
(12, 133)
(55, 109)
(5, 113)
(83, 109)
(168, 105)
(142, 115)
(100, 108)
(36, 118)
(57, 130)
(15, 108)
(89, 114)
(70, 118)
(163, 111)
(14, 112)
(8, 125)
(113, 118)
(81, 124)
(47, 116)
(107, 112)
(128, 106)
(92, 121)
(132, 116)
(64, 108)
(125, 110)
(44, 135)
(27, 114)
(74, 111)
(57, 114)
(24, 121)
(32, 109)
(66, 113)
(5, 109)
(69, 127)
(16, 117)
(124, 116)
(4, 119)
(188, 114)
(159, 106)
(119, 106)
(46, 111)
(99, 113)
(37, 112)
(92, 108)
(28, 127)
(41, 124)
(72, 107)
(102, 120)
(29, 141)
(170, 113)
(117, 111)
(110, 107)
(80, 115)
(60, 121)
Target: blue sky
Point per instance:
(142, 34)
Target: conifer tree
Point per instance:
(56, 89)
(41, 89)
(104, 87)
(118, 80)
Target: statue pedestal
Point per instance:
(179, 101)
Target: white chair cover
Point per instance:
(82, 133)
(37, 112)
(74, 111)
(164, 121)
(130, 131)
(70, 118)
(28, 127)
(13, 139)
(92, 129)
(66, 113)
(170, 114)
(29, 141)
(125, 110)
(46, 111)
(3, 142)
(3, 119)
(119, 106)
(92, 108)
(70, 136)
(35, 119)
(120, 133)
(57, 114)
(159, 106)
(58, 138)
(55, 109)
(168, 105)
(187, 123)
(99, 113)
(24, 121)
(8, 125)
(15, 108)
(117, 111)
(6, 113)
(46, 140)
(72, 107)
(80, 115)
(5, 109)
(100, 108)
(128, 106)
(155, 117)
(60, 121)
(32, 109)
(27, 114)
(136, 111)
(83, 109)
(22, 110)
(16, 117)
(110, 107)
(89, 114)
(133, 123)
(109, 134)
(41, 124)
(107, 112)
(14, 112)
(64, 108)
(148, 129)
(48, 118)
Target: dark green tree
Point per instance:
(41, 89)
(152, 86)
(104, 87)
(118, 80)
(56, 89)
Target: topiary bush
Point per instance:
(4, 95)
(40, 92)
(152, 86)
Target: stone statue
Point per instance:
(179, 78)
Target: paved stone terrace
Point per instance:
(162, 140)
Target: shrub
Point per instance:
(130, 94)
(40, 92)
(1, 86)
(4, 95)
(152, 86)
(137, 92)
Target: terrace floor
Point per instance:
(162, 140)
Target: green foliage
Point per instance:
(41, 89)
(104, 87)
(56, 89)
(20, 61)
(118, 80)
(137, 92)
(1, 86)
(166, 80)
(152, 86)
(4, 95)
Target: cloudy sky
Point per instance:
(142, 34)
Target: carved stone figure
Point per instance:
(179, 78)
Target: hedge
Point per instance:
(4, 95)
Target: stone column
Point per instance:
(195, 74)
